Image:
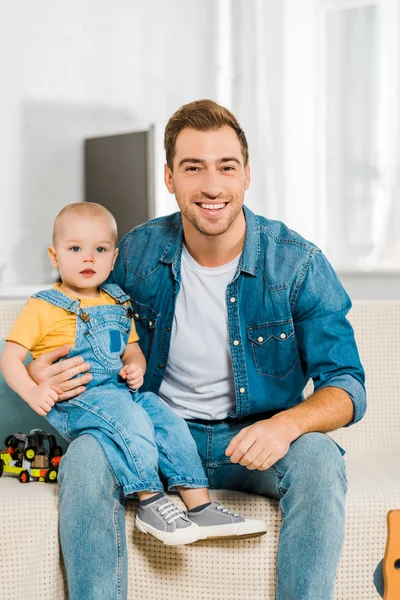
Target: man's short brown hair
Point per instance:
(202, 115)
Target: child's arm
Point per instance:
(39, 397)
(134, 366)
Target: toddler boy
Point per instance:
(139, 433)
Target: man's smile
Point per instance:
(211, 208)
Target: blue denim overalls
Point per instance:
(139, 433)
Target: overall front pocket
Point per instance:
(108, 342)
(274, 348)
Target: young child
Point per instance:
(139, 433)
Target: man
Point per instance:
(234, 313)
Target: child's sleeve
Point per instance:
(28, 328)
(133, 336)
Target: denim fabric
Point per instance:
(285, 305)
(138, 432)
(309, 482)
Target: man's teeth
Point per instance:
(212, 206)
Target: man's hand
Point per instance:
(42, 399)
(133, 374)
(59, 375)
(260, 445)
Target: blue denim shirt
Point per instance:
(285, 304)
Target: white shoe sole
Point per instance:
(188, 535)
(250, 528)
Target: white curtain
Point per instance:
(315, 85)
(360, 80)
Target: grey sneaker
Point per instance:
(166, 522)
(217, 522)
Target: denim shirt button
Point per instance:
(236, 342)
(242, 390)
(232, 299)
(137, 315)
(260, 339)
(150, 323)
(282, 336)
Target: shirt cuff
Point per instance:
(355, 389)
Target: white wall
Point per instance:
(71, 70)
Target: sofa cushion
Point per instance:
(16, 415)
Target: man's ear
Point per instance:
(168, 179)
(247, 177)
(115, 258)
(52, 256)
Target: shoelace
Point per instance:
(226, 511)
(170, 512)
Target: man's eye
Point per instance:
(193, 169)
(74, 248)
(228, 168)
(100, 249)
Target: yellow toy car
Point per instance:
(33, 457)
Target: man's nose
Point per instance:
(211, 186)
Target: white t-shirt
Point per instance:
(198, 382)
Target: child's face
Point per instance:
(84, 252)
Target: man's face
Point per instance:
(208, 178)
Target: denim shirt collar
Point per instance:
(251, 249)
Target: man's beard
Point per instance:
(205, 228)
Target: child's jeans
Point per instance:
(139, 434)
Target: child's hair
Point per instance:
(90, 209)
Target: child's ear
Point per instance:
(52, 256)
(115, 258)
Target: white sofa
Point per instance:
(30, 560)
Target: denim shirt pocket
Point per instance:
(274, 348)
(145, 322)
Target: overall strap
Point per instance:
(57, 298)
(115, 292)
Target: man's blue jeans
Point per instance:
(309, 482)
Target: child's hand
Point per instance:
(133, 374)
(42, 399)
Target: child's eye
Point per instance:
(74, 248)
(100, 249)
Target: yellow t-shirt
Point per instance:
(41, 326)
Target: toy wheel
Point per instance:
(51, 476)
(11, 440)
(30, 453)
(24, 477)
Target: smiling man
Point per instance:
(235, 313)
